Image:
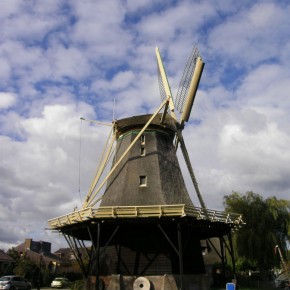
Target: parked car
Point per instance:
(14, 282)
(60, 282)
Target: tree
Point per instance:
(267, 225)
(25, 267)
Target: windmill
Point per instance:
(144, 230)
(183, 104)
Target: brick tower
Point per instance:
(150, 172)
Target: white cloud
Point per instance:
(44, 167)
(251, 36)
(29, 20)
(68, 62)
(257, 159)
(176, 23)
(8, 8)
(62, 60)
(7, 100)
(137, 7)
(99, 27)
(119, 82)
(5, 71)
(267, 85)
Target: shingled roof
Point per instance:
(5, 257)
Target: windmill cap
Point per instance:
(138, 122)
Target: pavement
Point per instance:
(48, 288)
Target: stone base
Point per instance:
(166, 282)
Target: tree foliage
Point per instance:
(25, 267)
(267, 225)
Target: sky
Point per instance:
(62, 60)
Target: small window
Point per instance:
(143, 180)
(142, 151)
(142, 139)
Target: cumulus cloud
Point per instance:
(7, 100)
(254, 28)
(62, 60)
(44, 167)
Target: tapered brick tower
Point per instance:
(150, 172)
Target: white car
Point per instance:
(60, 282)
(14, 282)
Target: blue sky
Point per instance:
(62, 60)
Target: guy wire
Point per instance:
(80, 152)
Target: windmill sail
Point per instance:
(189, 83)
(164, 87)
(192, 90)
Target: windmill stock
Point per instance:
(184, 100)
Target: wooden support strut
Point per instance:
(215, 249)
(168, 239)
(97, 286)
(232, 253)
(76, 253)
(223, 257)
(93, 249)
(180, 255)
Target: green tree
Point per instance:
(25, 267)
(267, 225)
(13, 254)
